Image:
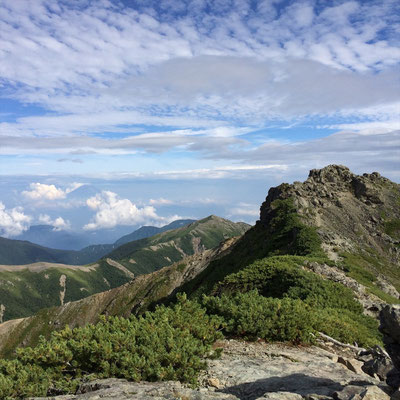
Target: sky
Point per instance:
(116, 114)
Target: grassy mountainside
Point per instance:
(283, 280)
(134, 296)
(147, 231)
(25, 289)
(14, 252)
(346, 219)
(150, 254)
(92, 253)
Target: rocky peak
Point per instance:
(330, 174)
(357, 214)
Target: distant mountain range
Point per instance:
(45, 282)
(30, 249)
(47, 236)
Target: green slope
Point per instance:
(264, 276)
(150, 254)
(24, 289)
(14, 252)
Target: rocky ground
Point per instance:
(255, 371)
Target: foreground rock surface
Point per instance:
(254, 371)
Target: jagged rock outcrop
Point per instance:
(351, 212)
(390, 327)
(354, 215)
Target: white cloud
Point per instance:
(58, 223)
(92, 67)
(112, 211)
(13, 221)
(160, 202)
(244, 211)
(227, 171)
(105, 74)
(253, 211)
(41, 191)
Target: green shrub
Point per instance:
(288, 233)
(252, 316)
(348, 327)
(167, 344)
(392, 228)
(283, 277)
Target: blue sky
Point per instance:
(165, 109)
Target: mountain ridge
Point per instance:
(34, 252)
(25, 289)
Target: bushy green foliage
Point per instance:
(254, 316)
(289, 235)
(286, 234)
(167, 344)
(283, 277)
(275, 299)
(392, 228)
(251, 315)
(348, 327)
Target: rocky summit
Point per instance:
(352, 213)
(357, 219)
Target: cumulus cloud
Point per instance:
(112, 211)
(58, 223)
(42, 191)
(13, 221)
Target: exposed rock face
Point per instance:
(343, 206)
(372, 304)
(255, 371)
(390, 327)
(351, 213)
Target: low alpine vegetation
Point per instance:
(275, 299)
(167, 344)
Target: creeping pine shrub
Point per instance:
(289, 235)
(296, 302)
(282, 277)
(253, 316)
(166, 344)
(349, 327)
